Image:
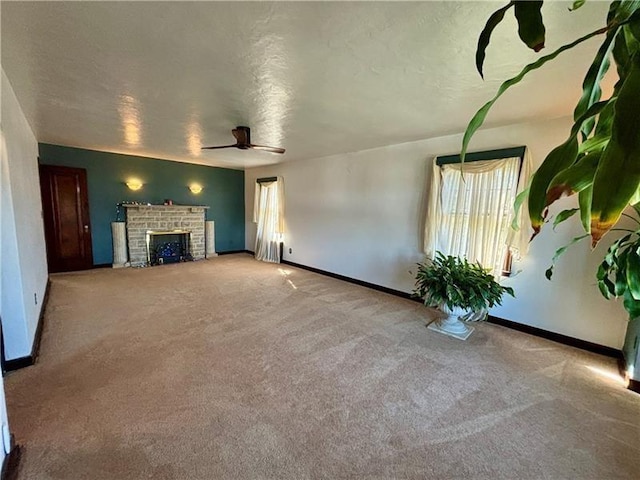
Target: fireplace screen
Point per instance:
(170, 246)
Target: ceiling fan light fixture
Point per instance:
(243, 142)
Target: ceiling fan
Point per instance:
(243, 142)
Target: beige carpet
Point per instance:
(235, 369)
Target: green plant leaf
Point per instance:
(548, 273)
(631, 305)
(634, 26)
(602, 270)
(517, 205)
(624, 9)
(558, 159)
(616, 262)
(605, 117)
(478, 119)
(591, 91)
(620, 283)
(577, 4)
(600, 139)
(560, 252)
(612, 252)
(613, 8)
(594, 144)
(485, 35)
(573, 179)
(607, 288)
(584, 202)
(530, 25)
(564, 215)
(618, 174)
(634, 200)
(626, 42)
(621, 55)
(633, 273)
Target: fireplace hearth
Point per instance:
(168, 246)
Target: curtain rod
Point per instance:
(485, 155)
(266, 179)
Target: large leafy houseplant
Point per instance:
(619, 273)
(600, 160)
(454, 283)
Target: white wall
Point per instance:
(3, 407)
(361, 215)
(23, 254)
(23, 269)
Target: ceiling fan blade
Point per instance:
(267, 149)
(222, 146)
(242, 134)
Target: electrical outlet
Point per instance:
(35, 298)
(290, 251)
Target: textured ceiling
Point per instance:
(162, 79)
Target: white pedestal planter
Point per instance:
(451, 324)
(119, 237)
(210, 239)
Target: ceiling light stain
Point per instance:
(129, 110)
(272, 93)
(194, 137)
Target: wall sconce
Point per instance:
(195, 188)
(134, 184)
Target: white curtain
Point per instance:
(268, 213)
(520, 232)
(470, 211)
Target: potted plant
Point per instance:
(461, 290)
(598, 163)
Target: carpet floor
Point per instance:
(235, 369)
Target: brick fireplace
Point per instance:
(145, 219)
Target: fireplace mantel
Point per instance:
(160, 206)
(144, 217)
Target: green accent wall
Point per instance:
(223, 191)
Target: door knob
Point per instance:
(86, 228)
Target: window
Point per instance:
(471, 207)
(268, 214)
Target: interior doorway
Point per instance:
(65, 206)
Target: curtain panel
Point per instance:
(470, 211)
(268, 214)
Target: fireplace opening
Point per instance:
(171, 246)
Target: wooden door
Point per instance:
(65, 206)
